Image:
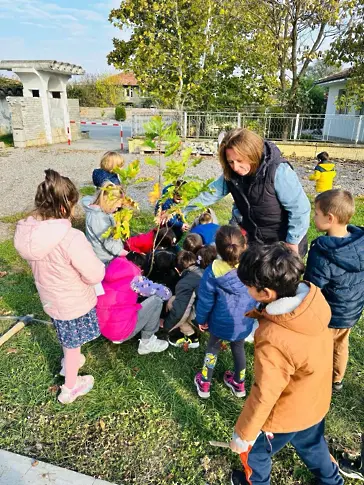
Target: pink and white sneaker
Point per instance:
(203, 387)
(83, 385)
(238, 388)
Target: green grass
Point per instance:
(87, 190)
(7, 139)
(143, 422)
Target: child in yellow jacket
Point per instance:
(324, 173)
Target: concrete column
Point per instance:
(33, 79)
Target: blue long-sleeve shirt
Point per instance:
(289, 193)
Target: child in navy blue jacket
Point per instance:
(222, 303)
(336, 265)
(176, 221)
(109, 161)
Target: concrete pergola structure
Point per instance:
(46, 80)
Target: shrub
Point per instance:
(120, 113)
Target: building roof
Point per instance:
(52, 66)
(125, 79)
(338, 76)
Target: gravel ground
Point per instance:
(23, 169)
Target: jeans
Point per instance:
(309, 444)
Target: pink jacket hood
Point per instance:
(34, 239)
(64, 266)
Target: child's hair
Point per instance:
(111, 160)
(193, 243)
(338, 202)
(273, 266)
(245, 143)
(108, 197)
(230, 244)
(165, 238)
(56, 196)
(205, 217)
(136, 258)
(164, 261)
(206, 255)
(185, 259)
(176, 192)
(323, 157)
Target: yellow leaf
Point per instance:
(155, 194)
(102, 424)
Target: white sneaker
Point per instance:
(152, 345)
(82, 363)
(83, 385)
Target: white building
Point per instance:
(341, 124)
(43, 114)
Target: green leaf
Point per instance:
(142, 180)
(151, 161)
(150, 143)
(196, 161)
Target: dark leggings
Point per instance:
(213, 348)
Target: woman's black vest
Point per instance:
(264, 218)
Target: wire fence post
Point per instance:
(296, 126)
(239, 120)
(185, 124)
(357, 136)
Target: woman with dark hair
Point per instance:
(265, 189)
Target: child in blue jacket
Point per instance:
(109, 161)
(222, 303)
(336, 265)
(206, 228)
(176, 221)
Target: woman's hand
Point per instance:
(203, 327)
(294, 247)
(185, 227)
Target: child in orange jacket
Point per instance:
(293, 363)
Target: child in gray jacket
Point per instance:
(99, 218)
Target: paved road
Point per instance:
(110, 134)
(100, 138)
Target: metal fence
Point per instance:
(272, 126)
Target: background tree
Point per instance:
(96, 90)
(320, 69)
(189, 52)
(300, 28)
(349, 48)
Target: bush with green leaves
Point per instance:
(120, 113)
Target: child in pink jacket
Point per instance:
(65, 270)
(120, 315)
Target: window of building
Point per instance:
(343, 109)
(56, 94)
(35, 93)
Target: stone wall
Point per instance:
(27, 121)
(74, 114)
(5, 117)
(94, 114)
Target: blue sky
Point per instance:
(75, 31)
